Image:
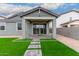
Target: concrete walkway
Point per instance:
(34, 48)
(72, 43)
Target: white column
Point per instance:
(30, 29)
(23, 28)
(47, 28)
(26, 29)
(54, 28)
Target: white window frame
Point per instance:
(17, 26)
(3, 24)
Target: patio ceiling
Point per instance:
(39, 21)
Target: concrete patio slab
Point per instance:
(70, 42)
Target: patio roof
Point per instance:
(41, 8)
(32, 10)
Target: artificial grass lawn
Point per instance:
(13, 47)
(51, 47)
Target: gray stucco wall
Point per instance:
(11, 30)
(72, 32)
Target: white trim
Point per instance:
(3, 25)
(46, 18)
(17, 26)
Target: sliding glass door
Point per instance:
(39, 28)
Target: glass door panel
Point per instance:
(39, 28)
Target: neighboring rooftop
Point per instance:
(2, 17)
(69, 22)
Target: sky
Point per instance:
(8, 9)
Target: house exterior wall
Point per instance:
(76, 23)
(72, 24)
(11, 30)
(66, 17)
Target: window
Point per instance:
(2, 26)
(19, 26)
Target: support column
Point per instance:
(27, 29)
(47, 29)
(23, 28)
(54, 28)
(30, 29)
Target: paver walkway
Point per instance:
(72, 43)
(34, 48)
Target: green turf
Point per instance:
(52, 47)
(13, 47)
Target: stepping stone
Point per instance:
(33, 53)
(34, 46)
(35, 42)
(34, 49)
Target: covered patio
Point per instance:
(36, 22)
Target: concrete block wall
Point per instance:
(72, 32)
